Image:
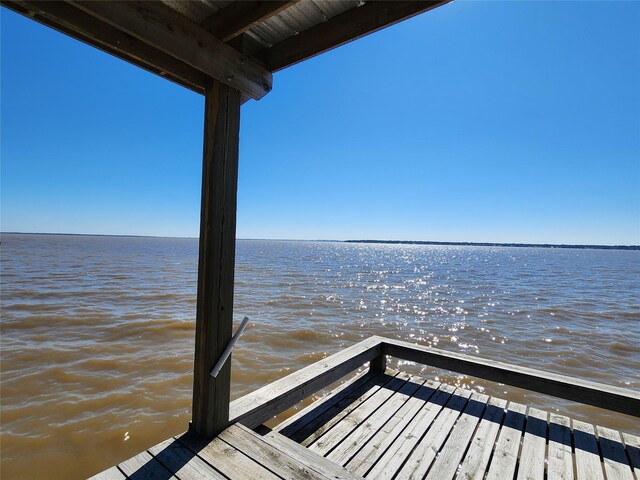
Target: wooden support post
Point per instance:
(214, 310)
(378, 364)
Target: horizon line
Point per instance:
(369, 241)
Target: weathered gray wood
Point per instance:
(591, 393)
(367, 456)
(476, 460)
(145, 466)
(425, 451)
(214, 307)
(391, 461)
(259, 406)
(349, 423)
(182, 462)
(110, 474)
(560, 456)
(532, 455)
(616, 464)
(632, 445)
(359, 437)
(69, 20)
(307, 457)
(588, 465)
(271, 456)
(452, 452)
(326, 421)
(348, 26)
(296, 421)
(505, 457)
(226, 459)
(239, 17)
(158, 25)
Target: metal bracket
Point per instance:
(227, 351)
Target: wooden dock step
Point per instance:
(237, 453)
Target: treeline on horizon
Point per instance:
(490, 244)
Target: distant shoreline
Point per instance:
(494, 244)
(389, 242)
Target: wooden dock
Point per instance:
(386, 424)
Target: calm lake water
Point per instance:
(97, 332)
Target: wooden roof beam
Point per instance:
(157, 25)
(73, 22)
(341, 29)
(239, 17)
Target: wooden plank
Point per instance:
(587, 455)
(347, 389)
(158, 25)
(77, 24)
(110, 474)
(341, 29)
(366, 457)
(325, 422)
(632, 445)
(182, 462)
(618, 399)
(261, 405)
(278, 461)
(145, 466)
(239, 17)
(307, 457)
(391, 461)
(505, 457)
(452, 452)
(532, 455)
(214, 307)
(560, 456)
(476, 460)
(616, 463)
(226, 459)
(358, 438)
(424, 453)
(349, 423)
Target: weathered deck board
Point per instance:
(452, 452)
(343, 452)
(616, 463)
(110, 474)
(393, 426)
(477, 458)
(342, 429)
(287, 462)
(391, 461)
(632, 444)
(183, 463)
(505, 456)
(308, 430)
(425, 452)
(362, 462)
(532, 455)
(144, 465)
(235, 465)
(560, 456)
(588, 465)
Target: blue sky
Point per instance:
(478, 121)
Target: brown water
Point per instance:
(97, 332)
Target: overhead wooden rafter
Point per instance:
(226, 44)
(344, 28)
(239, 17)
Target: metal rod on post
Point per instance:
(227, 351)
